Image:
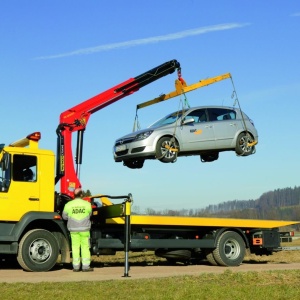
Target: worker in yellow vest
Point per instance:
(78, 213)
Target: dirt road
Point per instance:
(63, 274)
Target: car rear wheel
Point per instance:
(134, 163)
(167, 150)
(242, 147)
(209, 157)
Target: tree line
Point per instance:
(280, 204)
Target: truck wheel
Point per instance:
(210, 257)
(38, 251)
(230, 250)
(164, 151)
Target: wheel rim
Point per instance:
(166, 152)
(244, 144)
(232, 249)
(40, 250)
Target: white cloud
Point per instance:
(150, 40)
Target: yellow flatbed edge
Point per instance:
(195, 221)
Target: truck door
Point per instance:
(21, 193)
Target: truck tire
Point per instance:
(210, 257)
(38, 251)
(230, 250)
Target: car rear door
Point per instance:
(224, 125)
(198, 135)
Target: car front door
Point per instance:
(197, 135)
(224, 126)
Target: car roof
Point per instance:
(214, 106)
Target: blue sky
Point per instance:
(56, 54)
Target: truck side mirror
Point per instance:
(5, 161)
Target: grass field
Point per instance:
(228, 285)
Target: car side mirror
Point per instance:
(188, 121)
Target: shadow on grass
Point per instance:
(255, 262)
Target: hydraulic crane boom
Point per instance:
(77, 117)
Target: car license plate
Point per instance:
(120, 148)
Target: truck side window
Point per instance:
(24, 168)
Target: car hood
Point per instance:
(133, 134)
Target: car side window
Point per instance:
(199, 115)
(221, 114)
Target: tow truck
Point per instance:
(32, 229)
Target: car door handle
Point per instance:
(34, 199)
(208, 126)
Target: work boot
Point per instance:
(88, 270)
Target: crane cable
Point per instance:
(172, 147)
(249, 141)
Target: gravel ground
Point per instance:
(10, 274)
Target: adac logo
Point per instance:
(78, 210)
(195, 131)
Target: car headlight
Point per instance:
(142, 136)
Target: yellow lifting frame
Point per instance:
(182, 88)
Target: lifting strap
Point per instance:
(250, 142)
(136, 124)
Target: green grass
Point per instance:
(228, 285)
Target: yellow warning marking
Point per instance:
(252, 144)
(198, 131)
(170, 148)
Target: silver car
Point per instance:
(203, 131)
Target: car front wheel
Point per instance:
(167, 150)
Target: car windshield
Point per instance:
(169, 119)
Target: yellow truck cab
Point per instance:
(27, 179)
(27, 216)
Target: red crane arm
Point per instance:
(77, 117)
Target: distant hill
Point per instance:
(283, 204)
(280, 204)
